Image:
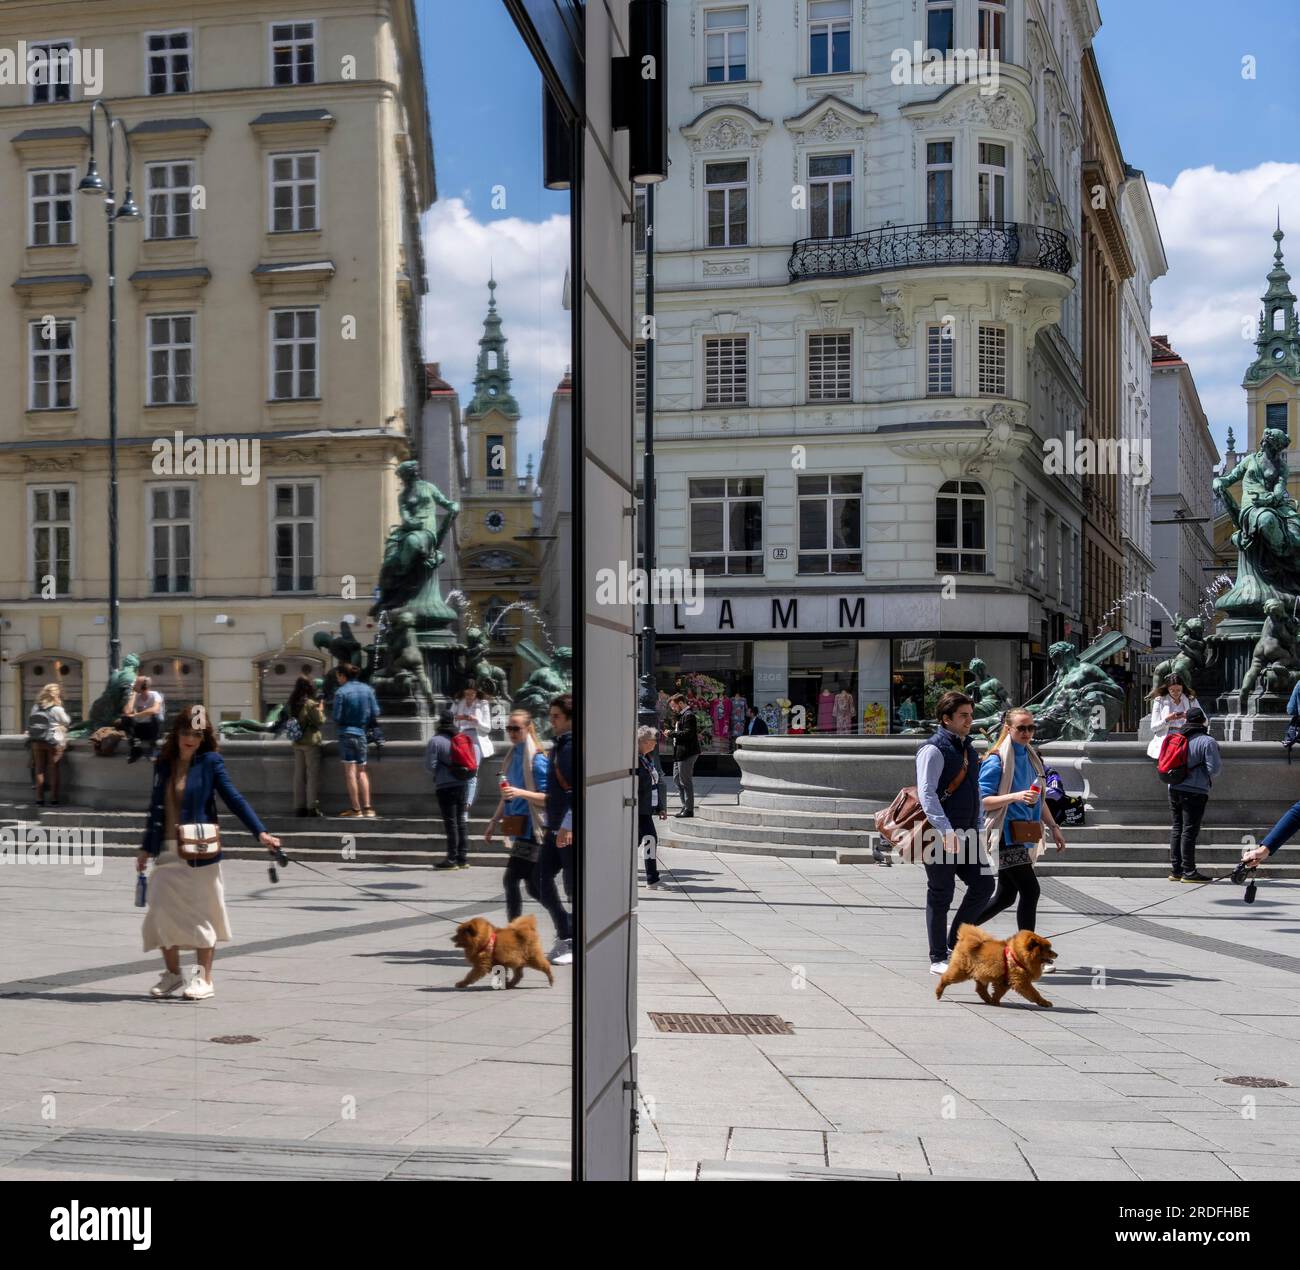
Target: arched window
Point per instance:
(1279, 319)
(493, 625)
(278, 672)
(40, 669)
(960, 534)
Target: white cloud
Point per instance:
(1217, 229)
(529, 260)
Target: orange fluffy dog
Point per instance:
(514, 946)
(1000, 964)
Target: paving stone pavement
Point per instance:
(368, 1061)
(1120, 1080)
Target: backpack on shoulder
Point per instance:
(40, 724)
(464, 756)
(1171, 766)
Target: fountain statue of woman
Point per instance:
(1267, 524)
(408, 577)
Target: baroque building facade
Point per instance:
(868, 331)
(268, 298)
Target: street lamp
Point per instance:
(94, 184)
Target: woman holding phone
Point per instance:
(187, 906)
(1015, 813)
(1168, 712)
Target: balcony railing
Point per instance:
(945, 243)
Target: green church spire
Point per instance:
(492, 376)
(1278, 341)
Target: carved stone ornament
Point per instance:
(891, 298)
(726, 134)
(726, 268)
(51, 463)
(1000, 111)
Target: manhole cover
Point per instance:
(234, 1040)
(723, 1024)
(1255, 1082)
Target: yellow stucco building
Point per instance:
(267, 299)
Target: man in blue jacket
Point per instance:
(557, 847)
(356, 710)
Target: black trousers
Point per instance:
(550, 861)
(940, 884)
(1019, 886)
(646, 829)
(451, 802)
(142, 732)
(1188, 810)
(518, 872)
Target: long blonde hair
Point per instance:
(532, 743)
(1006, 724)
(50, 695)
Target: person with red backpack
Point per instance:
(452, 757)
(1188, 763)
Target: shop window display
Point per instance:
(924, 669)
(718, 682)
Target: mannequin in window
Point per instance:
(843, 711)
(825, 710)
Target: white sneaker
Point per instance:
(167, 984)
(562, 953)
(938, 967)
(1049, 968)
(198, 989)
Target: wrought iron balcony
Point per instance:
(947, 243)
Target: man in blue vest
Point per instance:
(947, 770)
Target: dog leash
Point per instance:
(388, 899)
(1115, 916)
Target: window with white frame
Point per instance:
(992, 176)
(168, 61)
(51, 217)
(169, 200)
(295, 192)
(830, 195)
(50, 545)
(726, 192)
(726, 525)
(992, 28)
(959, 528)
(293, 53)
(938, 184)
(940, 25)
(938, 360)
(830, 23)
(638, 374)
(830, 524)
(992, 360)
(293, 533)
(638, 218)
(171, 539)
(726, 370)
(830, 366)
(295, 354)
(49, 71)
(726, 39)
(52, 369)
(171, 359)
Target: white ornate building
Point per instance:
(867, 331)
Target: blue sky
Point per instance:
(1220, 150)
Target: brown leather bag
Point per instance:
(903, 824)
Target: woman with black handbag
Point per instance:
(521, 818)
(187, 907)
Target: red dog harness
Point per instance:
(492, 941)
(1011, 958)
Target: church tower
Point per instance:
(1272, 381)
(496, 533)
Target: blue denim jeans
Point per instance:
(352, 748)
(1284, 830)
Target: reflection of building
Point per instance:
(556, 526)
(855, 387)
(1180, 490)
(1149, 263)
(496, 532)
(269, 295)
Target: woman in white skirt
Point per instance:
(187, 907)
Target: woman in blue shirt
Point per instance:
(522, 801)
(1011, 793)
(187, 906)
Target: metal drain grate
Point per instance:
(233, 1040)
(1255, 1082)
(724, 1024)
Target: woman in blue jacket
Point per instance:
(187, 907)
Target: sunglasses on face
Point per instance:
(513, 727)
(1025, 727)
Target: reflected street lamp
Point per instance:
(94, 184)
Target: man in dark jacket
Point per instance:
(1187, 799)
(556, 854)
(685, 735)
(754, 724)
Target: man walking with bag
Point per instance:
(947, 787)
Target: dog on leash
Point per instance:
(999, 964)
(514, 946)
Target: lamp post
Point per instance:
(94, 184)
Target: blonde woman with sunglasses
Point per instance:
(1012, 782)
